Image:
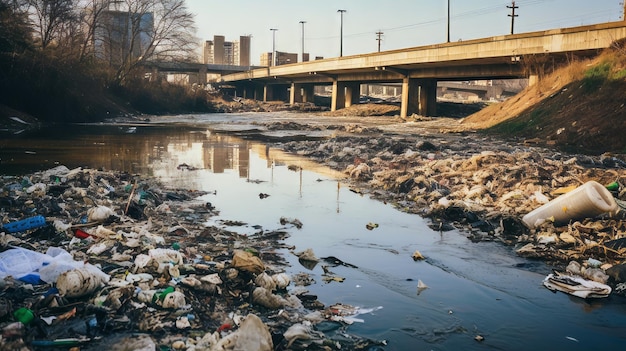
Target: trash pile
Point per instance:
(551, 206)
(91, 259)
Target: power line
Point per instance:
(473, 12)
(479, 12)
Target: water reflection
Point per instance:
(154, 151)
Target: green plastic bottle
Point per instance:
(24, 315)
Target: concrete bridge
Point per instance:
(198, 70)
(418, 69)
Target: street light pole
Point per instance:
(273, 63)
(302, 23)
(448, 21)
(341, 33)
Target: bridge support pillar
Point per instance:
(202, 76)
(418, 96)
(154, 74)
(344, 95)
(258, 92)
(276, 92)
(352, 94)
(295, 93)
(428, 97)
(338, 100)
(309, 93)
(533, 79)
(410, 97)
(249, 92)
(268, 93)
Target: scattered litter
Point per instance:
(101, 252)
(587, 201)
(347, 313)
(294, 221)
(307, 258)
(371, 225)
(24, 224)
(244, 260)
(301, 331)
(417, 256)
(19, 120)
(334, 261)
(421, 286)
(576, 286)
(81, 281)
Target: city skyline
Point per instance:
(404, 24)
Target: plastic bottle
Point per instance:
(24, 315)
(25, 224)
(586, 201)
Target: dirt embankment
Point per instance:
(578, 108)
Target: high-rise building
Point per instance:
(221, 52)
(282, 58)
(244, 50)
(121, 35)
(266, 59)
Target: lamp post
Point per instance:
(448, 21)
(341, 33)
(302, 23)
(273, 63)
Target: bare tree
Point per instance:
(91, 12)
(139, 31)
(14, 29)
(15, 5)
(51, 18)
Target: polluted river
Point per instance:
(461, 295)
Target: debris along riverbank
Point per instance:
(484, 187)
(116, 261)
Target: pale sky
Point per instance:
(405, 23)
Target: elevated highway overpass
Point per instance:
(200, 70)
(418, 69)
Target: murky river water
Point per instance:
(473, 288)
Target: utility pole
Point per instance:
(512, 14)
(341, 33)
(379, 34)
(273, 63)
(302, 23)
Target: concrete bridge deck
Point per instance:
(419, 68)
